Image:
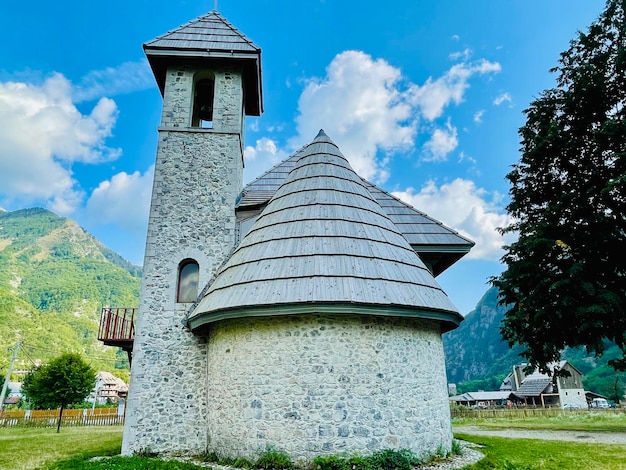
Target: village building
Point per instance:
(482, 399)
(107, 389)
(300, 312)
(562, 388)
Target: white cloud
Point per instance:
(478, 116)
(441, 143)
(41, 134)
(465, 54)
(359, 103)
(124, 200)
(371, 111)
(434, 95)
(125, 78)
(463, 157)
(504, 97)
(263, 155)
(460, 204)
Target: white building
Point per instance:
(107, 388)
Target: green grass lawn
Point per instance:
(73, 448)
(531, 454)
(34, 448)
(567, 421)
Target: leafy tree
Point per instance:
(64, 381)
(565, 280)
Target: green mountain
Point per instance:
(478, 359)
(475, 350)
(54, 279)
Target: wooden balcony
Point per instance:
(117, 327)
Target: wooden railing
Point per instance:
(525, 412)
(48, 418)
(117, 326)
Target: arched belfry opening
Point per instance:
(203, 97)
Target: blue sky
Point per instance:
(423, 97)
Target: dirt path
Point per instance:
(596, 437)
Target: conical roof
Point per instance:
(210, 38)
(323, 244)
(437, 245)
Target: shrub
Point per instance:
(357, 462)
(390, 459)
(456, 449)
(226, 461)
(331, 462)
(211, 457)
(273, 459)
(242, 462)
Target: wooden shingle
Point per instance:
(437, 245)
(324, 242)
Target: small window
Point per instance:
(188, 273)
(204, 93)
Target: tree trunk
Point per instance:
(60, 416)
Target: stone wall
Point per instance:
(314, 385)
(198, 176)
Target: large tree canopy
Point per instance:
(565, 277)
(66, 380)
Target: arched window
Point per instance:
(188, 273)
(204, 92)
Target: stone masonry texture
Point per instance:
(318, 385)
(198, 176)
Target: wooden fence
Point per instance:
(49, 418)
(524, 412)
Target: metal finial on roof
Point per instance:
(321, 133)
(214, 5)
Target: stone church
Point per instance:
(300, 311)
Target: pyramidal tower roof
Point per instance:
(323, 244)
(209, 38)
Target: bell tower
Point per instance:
(209, 75)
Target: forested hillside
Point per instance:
(475, 350)
(478, 359)
(54, 278)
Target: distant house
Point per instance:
(482, 399)
(562, 389)
(14, 393)
(108, 388)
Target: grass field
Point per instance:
(43, 448)
(529, 454)
(567, 421)
(34, 448)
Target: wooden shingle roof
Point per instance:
(438, 246)
(323, 244)
(533, 387)
(211, 39)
